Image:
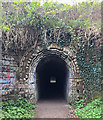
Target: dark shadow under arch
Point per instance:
(52, 78)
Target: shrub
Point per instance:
(92, 109)
(19, 109)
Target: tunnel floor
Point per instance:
(53, 109)
(52, 78)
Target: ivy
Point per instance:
(49, 14)
(19, 109)
(88, 110)
(89, 64)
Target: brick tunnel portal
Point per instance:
(52, 77)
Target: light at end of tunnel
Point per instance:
(52, 81)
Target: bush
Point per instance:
(92, 109)
(19, 109)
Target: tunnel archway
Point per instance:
(38, 59)
(52, 74)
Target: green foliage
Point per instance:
(89, 64)
(6, 28)
(93, 109)
(50, 14)
(19, 109)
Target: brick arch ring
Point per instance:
(29, 65)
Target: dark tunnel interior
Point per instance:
(51, 74)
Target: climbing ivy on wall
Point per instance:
(89, 61)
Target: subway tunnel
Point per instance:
(52, 75)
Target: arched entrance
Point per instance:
(52, 74)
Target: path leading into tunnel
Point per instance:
(53, 109)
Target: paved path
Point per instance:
(53, 109)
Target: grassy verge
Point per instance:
(19, 109)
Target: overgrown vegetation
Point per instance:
(22, 20)
(92, 109)
(21, 108)
(50, 15)
(89, 61)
